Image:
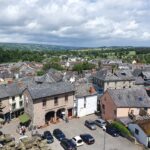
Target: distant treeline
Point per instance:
(126, 54)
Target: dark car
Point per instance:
(68, 144)
(59, 134)
(1, 133)
(90, 124)
(112, 131)
(87, 138)
(48, 136)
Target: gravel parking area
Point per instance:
(76, 127)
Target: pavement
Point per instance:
(74, 127)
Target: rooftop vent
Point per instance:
(140, 98)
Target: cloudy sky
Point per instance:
(76, 22)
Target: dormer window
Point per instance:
(13, 98)
(123, 73)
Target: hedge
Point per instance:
(121, 128)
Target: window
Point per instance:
(84, 102)
(13, 106)
(13, 98)
(136, 131)
(20, 96)
(55, 101)
(20, 103)
(115, 112)
(66, 98)
(44, 102)
(103, 108)
(145, 109)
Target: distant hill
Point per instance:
(36, 47)
(46, 47)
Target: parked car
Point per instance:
(59, 134)
(68, 144)
(23, 137)
(1, 133)
(90, 124)
(78, 141)
(35, 133)
(112, 131)
(87, 138)
(48, 136)
(101, 123)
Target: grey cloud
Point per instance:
(75, 22)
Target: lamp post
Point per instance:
(104, 130)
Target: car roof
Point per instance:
(57, 130)
(86, 134)
(47, 132)
(77, 137)
(101, 120)
(90, 121)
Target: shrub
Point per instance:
(121, 128)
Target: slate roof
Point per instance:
(121, 75)
(106, 75)
(132, 97)
(83, 89)
(13, 89)
(124, 74)
(56, 75)
(139, 81)
(3, 92)
(44, 79)
(47, 90)
(10, 90)
(146, 74)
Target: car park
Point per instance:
(87, 138)
(90, 124)
(59, 134)
(68, 144)
(48, 136)
(112, 131)
(101, 123)
(78, 141)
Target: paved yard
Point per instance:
(76, 127)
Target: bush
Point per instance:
(40, 73)
(121, 128)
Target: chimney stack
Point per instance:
(92, 90)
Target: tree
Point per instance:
(40, 73)
(83, 66)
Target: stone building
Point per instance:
(47, 102)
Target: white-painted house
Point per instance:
(141, 131)
(85, 100)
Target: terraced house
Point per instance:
(120, 79)
(45, 103)
(12, 101)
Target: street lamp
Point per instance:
(104, 130)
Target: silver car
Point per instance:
(101, 123)
(90, 124)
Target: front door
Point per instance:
(70, 112)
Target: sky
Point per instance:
(89, 23)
